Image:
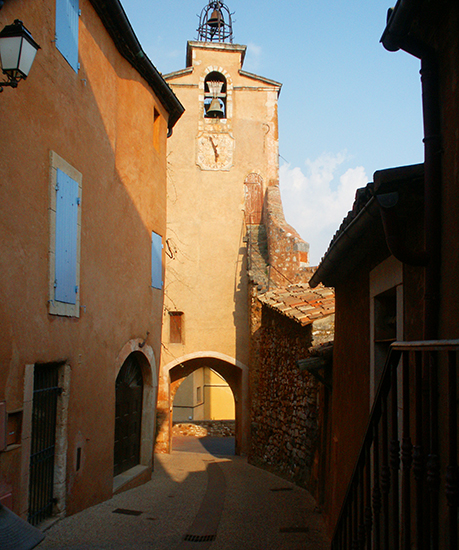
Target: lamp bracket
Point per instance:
(10, 83)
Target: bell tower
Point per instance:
(223, 158)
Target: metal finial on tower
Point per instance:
(215, 23)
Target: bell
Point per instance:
(215, 109)
(216, 19)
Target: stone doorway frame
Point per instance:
(148, 364)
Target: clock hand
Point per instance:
(214, 148)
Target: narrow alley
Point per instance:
(200, 496)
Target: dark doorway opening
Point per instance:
(128, 415)
(46, 391)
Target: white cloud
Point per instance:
(315, 202)
(253, 56)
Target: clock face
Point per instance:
(215, 151)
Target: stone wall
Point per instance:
(288, 252)
(210, 428)
(284, 400)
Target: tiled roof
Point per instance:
(300, 302)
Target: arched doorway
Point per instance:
(128, 415)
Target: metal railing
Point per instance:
(44, 417)
(404, 490)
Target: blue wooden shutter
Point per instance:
(66, 239)
(156, 261)
(67, 13)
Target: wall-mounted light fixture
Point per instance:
(17, 53)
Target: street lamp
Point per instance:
(17, 52)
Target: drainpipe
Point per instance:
(396, 37)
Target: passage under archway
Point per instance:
(233, 374)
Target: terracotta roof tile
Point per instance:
(301, 303)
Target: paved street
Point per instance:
(200, 497)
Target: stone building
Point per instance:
(228, 243)
(83, 199)
(292, 328)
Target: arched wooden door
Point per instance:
(128, 415)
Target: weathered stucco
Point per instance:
(90, 119)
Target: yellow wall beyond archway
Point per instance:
(203, 395)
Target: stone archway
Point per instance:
(235, 374)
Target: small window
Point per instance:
(175, 327)
(199, 394)
(14, 428)
(67, 14)
(215, 96)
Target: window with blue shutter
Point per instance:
(65, 284)
(67, 13)
(156, 261)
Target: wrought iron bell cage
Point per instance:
(215, 24)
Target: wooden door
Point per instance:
(128, 415)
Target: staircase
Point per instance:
(404, 490)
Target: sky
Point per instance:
(347, 107)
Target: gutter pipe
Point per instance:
(395, 37)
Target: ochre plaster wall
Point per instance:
(203, 395)
(206, 276)
(100, 120)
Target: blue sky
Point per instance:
(347, 106)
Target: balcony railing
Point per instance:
(404, 490)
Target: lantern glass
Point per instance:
(17, 51)
(10, 48)
(28, 52)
